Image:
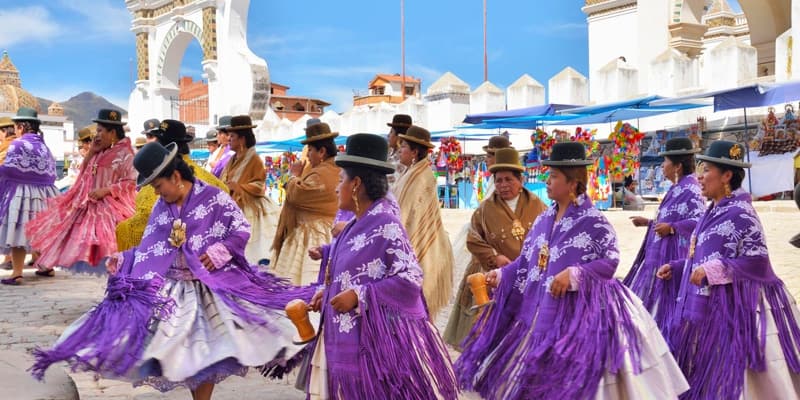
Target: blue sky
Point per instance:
(325, 49)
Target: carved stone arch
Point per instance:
(238, 79)
(172, 49)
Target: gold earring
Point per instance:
(355, 200)
(727, 190)
(573, 199)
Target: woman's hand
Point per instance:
(663, 229)
(315, 253)
(493, 278)
(560, 284)
(345, 301)
(501, 261)
(206, 260)
(664, 272)
(640, 221)
(697, 276)
(112, 265)
(316, 301)
(338, 228)
(297, 168)
(99, 193)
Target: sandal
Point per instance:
(13, 281)
(45, 272)
(7, 266)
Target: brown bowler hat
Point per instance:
(401, 121)
(240, 122)
(6, 122)
(496, 143)
(506, 159)
(417, 135)
(316, 132)
(87, 132)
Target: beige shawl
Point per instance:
(420, 214)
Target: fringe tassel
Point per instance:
(402, 357)
(112, 338)
(596, 337)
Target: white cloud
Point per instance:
(102, 19)
(340, 97)
(558, 29)
(427, 74)
(26, 25)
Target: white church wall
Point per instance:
(611, 36)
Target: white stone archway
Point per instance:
(238, 80)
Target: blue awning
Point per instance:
(760, 95)
(546, 109)
(625, 114)
(642, 102)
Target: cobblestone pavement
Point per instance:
(35, 313)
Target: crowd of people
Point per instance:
(202, 266)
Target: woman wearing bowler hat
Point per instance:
(309, 209)
(246, 179)
(129, 232)
(86, 216)
(26, 183)
(184, 308)
(496, 232)
(667, 236)
(376, 340)
(415, 192)
(735, 328)
(562, 327)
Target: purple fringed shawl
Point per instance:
(113, 337)
(28, 162)
(223, 161)
(719, 331)
(530, 345)
(386, 348)
(682, 207)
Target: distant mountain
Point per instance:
(82, 108)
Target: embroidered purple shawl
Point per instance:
(28, 162)
(223, 161)
(132, 297)
(681, 208)
(386, 348)
(574, 340)
(719, 331)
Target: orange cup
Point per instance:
(297, 311)
(477, 284)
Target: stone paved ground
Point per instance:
(35, 313)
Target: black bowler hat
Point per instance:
(679, 147)
(149, 126)
(170, 130)
(725, 152)
(26, 114)
(211, 136)
(151, 159)
(312, 121)
(568, 154)
(109, 116)
(368, 151)
(224, 123)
